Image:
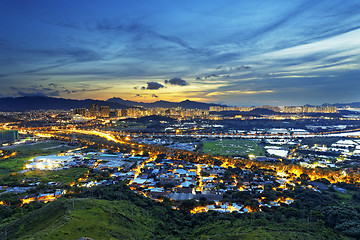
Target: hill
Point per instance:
(342, 105)
(115, 212)
(165, 104)
(76, 218)
(47, 103)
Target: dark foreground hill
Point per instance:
(115, 212)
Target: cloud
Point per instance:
(240, 68)
(241, 92)
(61, 57)
(177, 81)
(37, 90)
(53, 90)
(139, 31)
(153, 86)
(155, 96)
(39, 94)
(66, 24)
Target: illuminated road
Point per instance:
(348, 133)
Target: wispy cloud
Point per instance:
(240, 92)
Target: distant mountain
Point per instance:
(47, 103)
(125, 102)
(352, 105)
(165, 104)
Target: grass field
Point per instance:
(12, 165)
(26, 152)
(64, 176)
(232, 147)
(39, 146)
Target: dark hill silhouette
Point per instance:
(165, 104)
(352, 105)
(47, 103)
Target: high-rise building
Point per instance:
(94, 110)
(114, 113)
(123, 113)
(9, 135)
(104, 111)
(80, 111)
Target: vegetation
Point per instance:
(232, 147)
(116, 212)
(65, 176)
(76, 218)
(24, 153)
(12, 165)
(111, 211)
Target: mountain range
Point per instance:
(165, 104)
(342, 105)
(47, 103)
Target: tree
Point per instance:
(187, 205)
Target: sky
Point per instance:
(240, 53)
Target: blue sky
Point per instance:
(233, 52)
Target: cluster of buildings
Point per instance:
(106, 112)
(54, 162)
(220, 109)
(343, 152)
(154, 178)
(181, 180)
(283, 109)
(94, 111)
(43, 197)
(309, 109)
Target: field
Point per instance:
(26, 152)
(65, 176)
(232, 147)
(11, 165)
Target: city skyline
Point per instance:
(230, 52)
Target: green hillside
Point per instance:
(261, 229)
(76, 218)
(115, 212)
